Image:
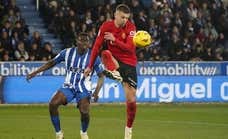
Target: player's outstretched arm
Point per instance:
(98, 87)
(87, 71)
(44, 67)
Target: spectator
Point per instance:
(69, 37)
(36, 38)
(174, 49)
(46, 53)
(177, 20)
(136, 7)
(210, 29)
(189, 30)
(200, 35)
(7, 27)
(219, 54)
(57, 26)
(12, 5)
(209, 56)
(204, 20)
(153, 11)
(210, 42)
(34, 52)
(204, 11)
(141, 21)
(10, 17)
(221, 41)
(155, 55)
(88, 18)
(100, 21)
(192, 11)
(20, 53)
(108, 17)
(153, 29)
(140, 56)
(5, 41)
(6, 56)
(18, 28)
(165, 39)
(198, 51)
(14, 40)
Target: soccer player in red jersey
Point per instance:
(119, 58)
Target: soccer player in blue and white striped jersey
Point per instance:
(76, 86)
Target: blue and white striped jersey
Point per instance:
(74, 66)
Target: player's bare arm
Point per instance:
(98, 87)
(44, 67)
(87, 71)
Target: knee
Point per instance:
(106, 53)
(131, 99)
(84, 111)
(130, 95)
(84, 115)
(53, 104)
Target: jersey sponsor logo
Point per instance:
(76, 70)
(132, 33)
(180, 69)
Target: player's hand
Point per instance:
(87, 72)
(30, 76)
(95, 97)
(109, 36)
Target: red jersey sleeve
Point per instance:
(96, 47)
(128, 45)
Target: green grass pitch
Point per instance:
(153, 121)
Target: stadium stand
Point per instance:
(21, 27)
(183, 30)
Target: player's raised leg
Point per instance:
(111, 66)
(85, 117)
(130, 93)
(57, 100)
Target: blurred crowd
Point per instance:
(16, 42)
(182, 30)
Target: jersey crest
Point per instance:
(123, 35)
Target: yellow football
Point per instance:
(142, 39)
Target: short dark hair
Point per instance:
(123, 8)
(83, 36)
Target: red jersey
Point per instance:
(122, 49)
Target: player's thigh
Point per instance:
(108, 60)
(129, 76)
(58, 98)
(130, 92)
(64, 95)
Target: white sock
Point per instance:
(129, 129)
(60, 132)
(83, 132)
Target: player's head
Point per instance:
(82, 40)
(122, 14)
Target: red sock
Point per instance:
(131, 111)
(107, 60)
